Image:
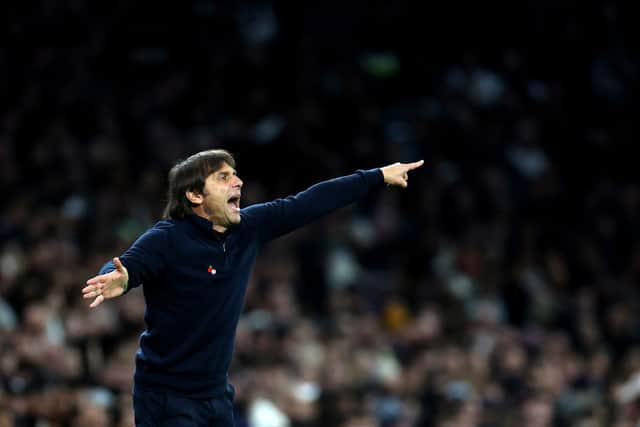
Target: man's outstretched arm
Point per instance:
(280, 216)
(141, 263)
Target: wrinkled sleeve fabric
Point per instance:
(281, 216)
(146, 259)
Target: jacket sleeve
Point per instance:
(278, 217)
(145, 260)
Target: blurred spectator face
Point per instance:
(548, 377)
(428, 326)
(514, 360)
(5, 419)
(537, 413)
(35, 319)
(360, 422)
(91, 415)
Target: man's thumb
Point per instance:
(118, 264)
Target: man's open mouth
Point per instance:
(234, 203)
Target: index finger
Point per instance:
(414, 165)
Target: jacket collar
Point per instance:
(205, 226)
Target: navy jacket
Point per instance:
(195, 280)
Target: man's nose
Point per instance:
(238, 182)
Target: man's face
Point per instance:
(221, 198)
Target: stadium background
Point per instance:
(500, 289)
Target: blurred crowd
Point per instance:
(500, 289)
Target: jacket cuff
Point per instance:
(373, 177)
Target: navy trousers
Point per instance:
(161, 409)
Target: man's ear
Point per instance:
(193, 197)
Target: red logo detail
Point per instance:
(211, 270)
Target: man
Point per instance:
(195, 265)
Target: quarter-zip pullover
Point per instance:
(195, 281)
